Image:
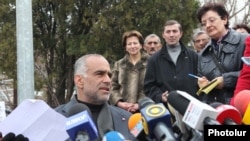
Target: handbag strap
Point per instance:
(222, 70)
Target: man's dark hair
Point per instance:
(172, 22)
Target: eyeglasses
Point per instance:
(210, 20)
(149, 43)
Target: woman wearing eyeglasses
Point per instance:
(221, 58)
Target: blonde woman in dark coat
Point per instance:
(128, 73)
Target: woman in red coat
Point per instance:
(243, 82)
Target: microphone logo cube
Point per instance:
(196, 112)
(152, 115)
(81, 122)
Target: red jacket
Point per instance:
(243, 82)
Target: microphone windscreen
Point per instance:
(133, 120)
(21, 137)
(241, 101)
(227, 113)
(9, 137)
(178, 102)
(77, 108)
(113, 136)
(145, 101)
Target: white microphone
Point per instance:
(195, 113)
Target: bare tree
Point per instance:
(239, 11)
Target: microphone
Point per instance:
(242, 103)
(179, 127)
(136, 128)
(195, 113)
(134, 120)
(21, 137)
(9, 137)
(228, 114)
(79, 124)
(156, 120)
(12, 137)
(113, 136)
(246, 117)
(197, 136)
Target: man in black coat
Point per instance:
(168, 69)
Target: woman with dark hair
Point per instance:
(221, 58)
(243, 28)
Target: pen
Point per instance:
(194, 76)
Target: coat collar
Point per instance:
(232, 38)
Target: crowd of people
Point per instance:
(153, 68)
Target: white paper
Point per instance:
(37, 121)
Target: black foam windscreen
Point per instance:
(77, 108)
(178, 102)
(9, 137)
(21, 137)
